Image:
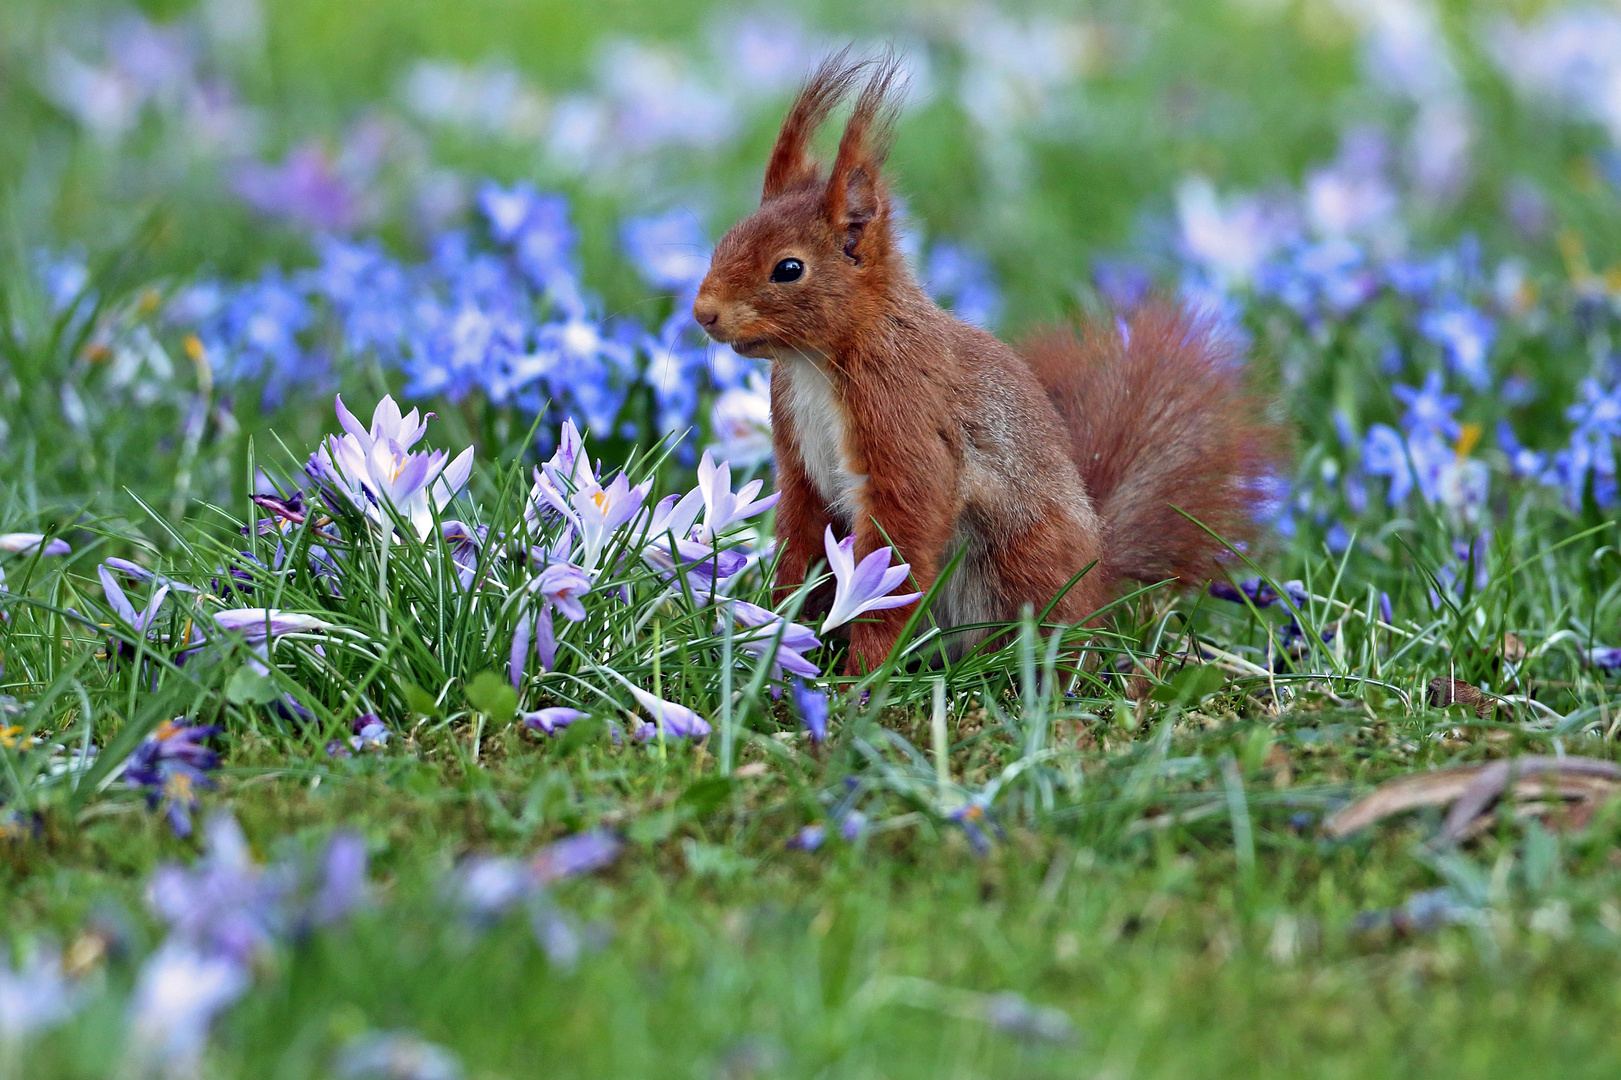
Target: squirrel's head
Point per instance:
(814, 264)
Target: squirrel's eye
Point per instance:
(788, 270)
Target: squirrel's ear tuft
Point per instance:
(855, 194)
(791, 165)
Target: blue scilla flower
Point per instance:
(961, 279)
(1429, 408)
(1597, 413)
(1384, 454)
(535, 227)
(669, 251)
(1465, 335)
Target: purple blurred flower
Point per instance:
(811, 705)
(572, 856)
(677, 721)
(1607, 657)
(29, 544)
(34, 997)
(551, 720)
(865, 587)
(395, 1055)
(810, 838)
(852, 825)
(1123, 284)
(179, 992)
(370, 733)
(171, 764)
(305, 189)
(1259, 591)
(961, 279)
(1428, 408)
(741, 421)
(1384, 454)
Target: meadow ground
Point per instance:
(325, 753)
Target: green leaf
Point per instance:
(704, 796)
(653, 828)
(584, 732)
(419, 701)
(1191, 685)
(249, 687)
(493, 696)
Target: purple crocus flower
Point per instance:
(722, 507)
(560, 585)
(811, 705)
(171, 764)
(257, 625)
(553, 719)
(575, 855)
(865, 587)
(370, 732)
(758, 633)
(810, 838)
(30, 543)
(1607, 657)
(464, 541)
(139, 623)
(678, 721)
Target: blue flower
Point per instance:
(961, 280)
(1428, 408)
(1384, 454)
(171, 765)
(669, 251)
(811, 704)
(1466, 336)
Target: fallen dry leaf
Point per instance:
(1541, 784)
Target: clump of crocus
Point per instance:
(375, 469)
(172, 766)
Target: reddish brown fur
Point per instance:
(1160, 421)
(897, 422)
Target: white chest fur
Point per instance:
(821, 425)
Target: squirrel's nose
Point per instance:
(706, 311)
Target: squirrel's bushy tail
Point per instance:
(1160, 420)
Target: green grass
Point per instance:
(1157, 869)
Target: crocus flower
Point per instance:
(260, 624)
(171, 764)
(1259, 591)
(30, 543)
(811, 704)
(595, 512)
(464, 542)
(865, 587)
(141, 573)
(741, 420)
(757, 636)
(126, 613)
(722, 507)
(374, 467)
(551, 720)
(370, 732)
(574, 855)
(1607, 657)
(678, 721)
(34, 997)
(809, 838)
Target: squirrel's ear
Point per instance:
(855, 192)
(791, 165)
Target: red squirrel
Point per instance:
(896, 421)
